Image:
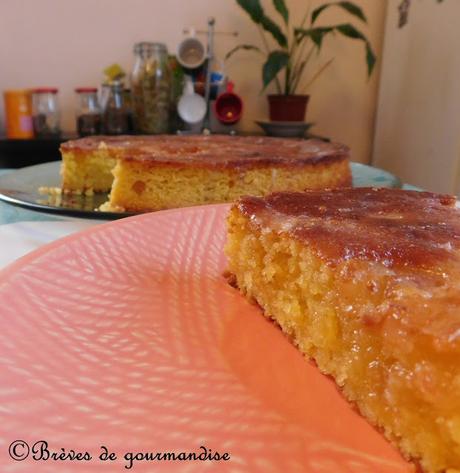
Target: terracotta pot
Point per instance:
(287, 108)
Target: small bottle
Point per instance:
(116, 116)
(128, 98)
(89, 120)
(45, 112)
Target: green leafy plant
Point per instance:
(295, 45)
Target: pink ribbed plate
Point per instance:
(128, 336)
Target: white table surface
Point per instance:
(20, 238)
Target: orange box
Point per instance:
(18, 114)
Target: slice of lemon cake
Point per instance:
(159, 172)
(367, 283)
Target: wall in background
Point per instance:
(67, 43)
(418, 124)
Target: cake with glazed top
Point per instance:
(366, 282)
(158, 172)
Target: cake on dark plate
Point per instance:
(146, 173)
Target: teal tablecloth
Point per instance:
(12, 213)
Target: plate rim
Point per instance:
(28, 258)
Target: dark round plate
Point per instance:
(20, 188)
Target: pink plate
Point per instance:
(127, 336)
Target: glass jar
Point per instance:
(89, 121)
(151, 88)
(45, 113)
(177, 87)
(128, 98)
(18, 114)
(116, 118)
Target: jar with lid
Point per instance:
(45, 113)
(151, 88)
(89, 120)
(116, 119)
(18, 114)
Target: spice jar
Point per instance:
(128, 98)
(18, 114)
(89, 121)
(116, 116)
(151, 88)
(45, 113)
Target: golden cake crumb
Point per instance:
(50, 190)
(367, 283)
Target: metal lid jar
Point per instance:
(88, 112)
(151, 88)
(45, 112)
(116, 115)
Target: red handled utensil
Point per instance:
(228, 106)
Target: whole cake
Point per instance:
(367, 283)
(158, 172)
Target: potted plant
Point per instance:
(286, 64)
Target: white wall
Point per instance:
(418, 124)
(67, 43)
